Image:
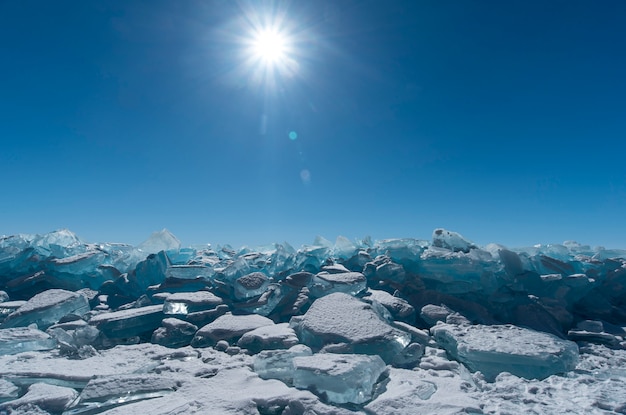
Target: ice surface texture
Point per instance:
(400, 326)
(495, 349)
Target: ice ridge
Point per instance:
(339, 323)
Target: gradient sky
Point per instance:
(502, 120)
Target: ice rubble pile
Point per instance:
(352, 322)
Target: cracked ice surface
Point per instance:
(400, 326)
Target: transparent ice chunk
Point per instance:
(24, 339)
(325, 283)
(278, 364)
(341, 378)
(163, 240)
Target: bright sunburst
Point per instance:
(270, 46)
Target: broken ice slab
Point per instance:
(24, 339)
(428, 392)
(8, 391)
(325, 283)
(190, 302)
(341, 378)
(150, 271)
(189, 272)
(278, 336)
(74, 336)
(404, 251)
(263, 304)
(458, 272)
(451, 240)
(404, 395)
(47, 308)
(129, 323)
(9, 307)
(174, 333)
(339, 318)
(228, 327)
(107, 392)
(507, 348)
(60, 243)
(594, 332)
(250, 285)
(399, 308)
(278, 364)
(50, 398)
(432, 313)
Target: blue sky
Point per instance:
(504, 121)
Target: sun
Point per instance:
(270, 46)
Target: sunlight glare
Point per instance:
(270, 46)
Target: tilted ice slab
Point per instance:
(190, 302)
(325, 283)
(130, 322)
(47, 308)
(506, 348)
(24, 339)
(228, 327)
(107, 392)
(278, 364)
(342, 378)
(51, 398)
(339, 318)
(174, 333)
(278, 336)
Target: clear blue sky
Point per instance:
(502, 120)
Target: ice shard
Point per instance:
(160, 241)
